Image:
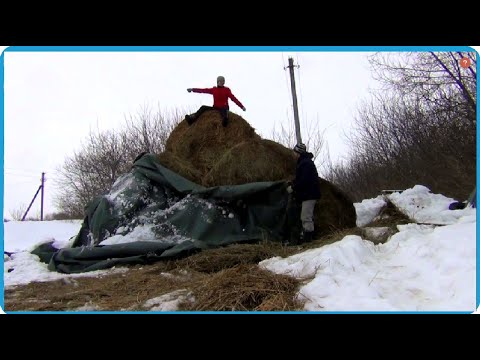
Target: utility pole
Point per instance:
(295, 105)
(41, 202)
(41, 187)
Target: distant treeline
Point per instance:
(420, 128)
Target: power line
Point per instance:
(21, 182)
(31, 171)
(25, 175)
(51, 177)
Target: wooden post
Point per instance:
(41, 187)
(41, 202)
(29, 206)
(295, 105)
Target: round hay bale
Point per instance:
(180, 166)
(204, 142)
(334, 211)
(252, 161)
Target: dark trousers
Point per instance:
(223, 112)
(293, 225)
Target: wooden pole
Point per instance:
(43, 191)
(295, 104)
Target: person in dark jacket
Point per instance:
(306, 188)
(221, 94)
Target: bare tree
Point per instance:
(421, 130)
(104, 156)
(431, 76)
(313, 137)
(148, 131)
(17, 213)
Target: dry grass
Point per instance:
(245, 287)
(390, 216)
(116, 292)
(332, 237)
(212, 261)
(130, 290)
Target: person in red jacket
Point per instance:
(221, 94)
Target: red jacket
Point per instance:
(220, 96)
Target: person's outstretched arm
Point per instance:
(235, 100)
(197, 90)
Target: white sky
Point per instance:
(53, 99)
(420, 268)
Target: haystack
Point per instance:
(212, 155)
(334, 211)
(252, 161)
(180, 166)
(204, 142)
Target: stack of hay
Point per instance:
(212, 155)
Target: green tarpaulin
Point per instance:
(152, 213)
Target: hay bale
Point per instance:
(252, 161)
(206, 140)
(334, 211)
(180, 166)
(211, 155)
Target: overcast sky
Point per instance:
(52, 99)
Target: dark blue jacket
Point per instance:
(306, 184)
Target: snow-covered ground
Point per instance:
(420, 268)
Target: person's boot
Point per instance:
(224, 122)
(307, 236)
(190, 119)
(295, 235)
(298, 240)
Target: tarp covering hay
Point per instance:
(213, 186)
(154, 214)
